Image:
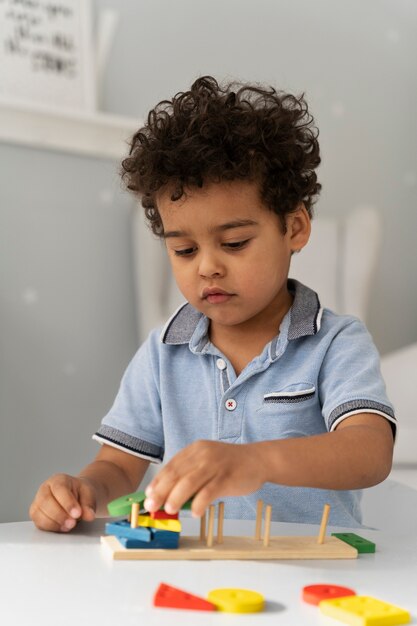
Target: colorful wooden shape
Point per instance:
(122, 506)
(164, 540)
(237, 600)
(123, 529)
(163, 524)
(173, 598)
(163, 515)
(364, 611)
(313, 594)
(362, 545)
(246, 548)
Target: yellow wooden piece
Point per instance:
(364, 611)
(247, 548)
(237, 600)
(173, 525)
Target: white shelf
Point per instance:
(91, 134)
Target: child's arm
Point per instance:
(62, 500)
(356, 455)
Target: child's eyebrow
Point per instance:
(215, 229)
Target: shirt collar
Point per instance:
(305, 316)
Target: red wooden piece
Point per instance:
(173, 598)
(313, 594)
(163, 515)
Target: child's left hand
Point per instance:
(206, 470)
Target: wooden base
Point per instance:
(245, 548)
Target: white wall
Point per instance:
(66, 285)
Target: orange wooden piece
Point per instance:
(173, 598)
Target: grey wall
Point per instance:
(67, 303)
(356, 63)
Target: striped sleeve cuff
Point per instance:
(361, 406)
(128, 443)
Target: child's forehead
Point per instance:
(214, 209)
(224, 195)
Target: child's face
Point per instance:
(228, 253)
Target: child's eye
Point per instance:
(236, 245)
(186, 252)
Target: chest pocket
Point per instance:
(289, 395)
(291, 411)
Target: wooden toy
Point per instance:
(173, 598)
(124, 529)
(364, 611)
(163, 515)
(362, 545)
(163, 524)
(211, 547)
(314, 594)
(160, 540)
(237, 600)
(323, 524)
(122, 506)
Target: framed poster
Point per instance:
(46, 53)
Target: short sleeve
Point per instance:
(134, 422)
(350, 379)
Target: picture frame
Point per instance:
(46, 54)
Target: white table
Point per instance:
(69, 580)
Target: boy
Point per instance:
(251, 389)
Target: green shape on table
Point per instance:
(362, 545)
(122, 506)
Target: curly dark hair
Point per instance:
(214, 134)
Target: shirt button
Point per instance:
(221, 364)
(230, 404)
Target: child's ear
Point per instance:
(299, 228)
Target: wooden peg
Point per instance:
(134, 515)
(210, 531)
(203, 527)
(268, 514)
(220, 523)
(323, 525)
(258, 527)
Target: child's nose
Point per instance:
(210, 265)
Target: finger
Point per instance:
(87, 502)
(65, 492)
(47, 513)
(205, 496)
(186, 488)
(157, 491)
(43, 521)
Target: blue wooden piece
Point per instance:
(123, 529)
(161, 539)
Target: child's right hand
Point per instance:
(61, 501)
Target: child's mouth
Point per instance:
(217, 298)
(215, 295)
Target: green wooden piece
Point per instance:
(362, 545)
(122, 506)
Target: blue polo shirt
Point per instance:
(320, 369)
